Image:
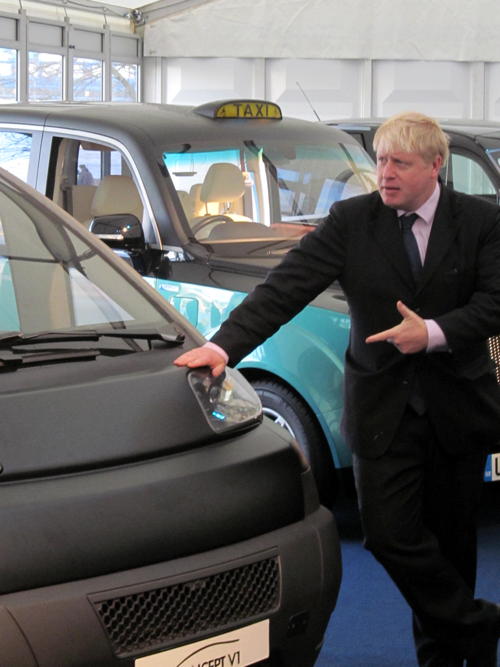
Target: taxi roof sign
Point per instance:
(246, 109)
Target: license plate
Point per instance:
(237, 648)
(492, 469)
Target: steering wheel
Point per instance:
(210, 219)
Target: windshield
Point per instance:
(52, 279)
(492, 147)
(273, 190)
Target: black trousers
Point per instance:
(418, 510)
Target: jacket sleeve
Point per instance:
(478, 317)
(304, 273)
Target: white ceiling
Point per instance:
(326, 29)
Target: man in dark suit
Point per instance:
(422, 406)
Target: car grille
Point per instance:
(494, 348)
(159, 617)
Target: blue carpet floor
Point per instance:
(371, 625)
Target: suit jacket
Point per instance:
(360, 245)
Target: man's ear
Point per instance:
(437, 163)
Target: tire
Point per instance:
(287, 410)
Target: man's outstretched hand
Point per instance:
(409, 336)
(202, 356)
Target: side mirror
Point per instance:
(120, 230)
(124, 234)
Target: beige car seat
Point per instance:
(116, 194)
(81, 201)
(201, 208)
(223, 186)
(186, 203)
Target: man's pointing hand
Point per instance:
(409, 336)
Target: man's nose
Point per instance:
(386, 170)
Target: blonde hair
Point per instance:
(413, 132)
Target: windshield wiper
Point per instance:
(10, 361)
(16, 338)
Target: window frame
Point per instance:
(46, 173)
(70, 47)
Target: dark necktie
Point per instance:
(416, 399)
(410, 243)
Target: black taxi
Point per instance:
(203, 201)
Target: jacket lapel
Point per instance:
(386, 233)
(444, 230)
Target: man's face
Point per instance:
(405, 180)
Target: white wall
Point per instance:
(335, 88)
(362, 58)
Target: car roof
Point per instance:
(168, 122)
(470, 127)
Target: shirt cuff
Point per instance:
(436, 340)
(217, 349)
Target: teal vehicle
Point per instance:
(203, 201)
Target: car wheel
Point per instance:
(287, 410)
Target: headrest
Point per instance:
(186, 202)
(116, 194)
(224, 182)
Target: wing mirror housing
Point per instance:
(124, 234)
(120, 230)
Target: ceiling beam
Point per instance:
(85, 6)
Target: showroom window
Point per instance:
(124, 82)
(124, 69)
(45, 61)
(8, 75)
(15, 150)
(87, 80)
(51, 60)
(45, 76)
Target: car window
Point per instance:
(469, 176)
(80, 182)
(15, 150)
(264, 189)
(51, 278)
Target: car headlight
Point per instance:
(227, 401)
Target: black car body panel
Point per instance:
(476, 142)
(68, 624)
(90, 523)
(127, 482)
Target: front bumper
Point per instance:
(64, 624)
